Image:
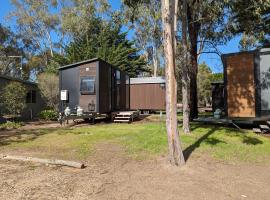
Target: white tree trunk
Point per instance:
(175, 151)
(155, 60)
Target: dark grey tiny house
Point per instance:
(95, 86)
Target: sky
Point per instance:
(211, 60)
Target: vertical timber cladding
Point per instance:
(105, 87)
(147, 96)
(240, 85)
(85, 100)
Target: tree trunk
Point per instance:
(155, 60)
(185, 71)
(175, 152)
(193, 85)
(193, 30)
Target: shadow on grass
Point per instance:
(248, 140)
(21, 136)
(188, 151)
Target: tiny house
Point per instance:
(247, 84)
(147, 93)
(95, 86)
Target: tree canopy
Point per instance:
(106, 41)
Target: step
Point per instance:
(264, 127)
(122, 117)
(257, 130)
(268, 122)
(121, 120)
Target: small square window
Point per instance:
(87, 85)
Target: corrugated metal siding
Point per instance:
(147, 97)
(240, 85)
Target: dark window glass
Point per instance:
(34, 96)
(118, 83)
(31, 97)
(118, 77)
(88, 85)
(28, 97)
(127, 92)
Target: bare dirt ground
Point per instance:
(111, 174)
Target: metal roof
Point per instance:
(16, 79)
(79, 63)
(150, 80)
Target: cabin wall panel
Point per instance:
(240, 85)
(147, 97)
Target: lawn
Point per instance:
(140, 140)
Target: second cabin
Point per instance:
(95, 86)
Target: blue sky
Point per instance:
(212, 60)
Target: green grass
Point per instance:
(143, 140)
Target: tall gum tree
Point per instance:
(168, 16)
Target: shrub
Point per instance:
(13, 98)
(48, 84)
(48, 115)
(11, 125)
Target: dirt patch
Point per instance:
(110, 174)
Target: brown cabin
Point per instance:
(95, 86)
(147, 93)
(247, 83)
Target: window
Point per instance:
(31, 96)
(87, 85)
(118, 83)
(127, 91)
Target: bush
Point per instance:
(48, 115)
(11, 125)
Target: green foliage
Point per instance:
(52, 67)
(204, 83)
(14, 98)
(106, 41)
(146, 21)
(48, 84)
(48, 115)
(9, 46)
(251, 17)
(10, 125)
(216, 77)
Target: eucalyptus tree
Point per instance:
(252, 18)
(10, 48)
(36, 22)
(206, 30)
(169, 18)
(146, 21)
(169, 25)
